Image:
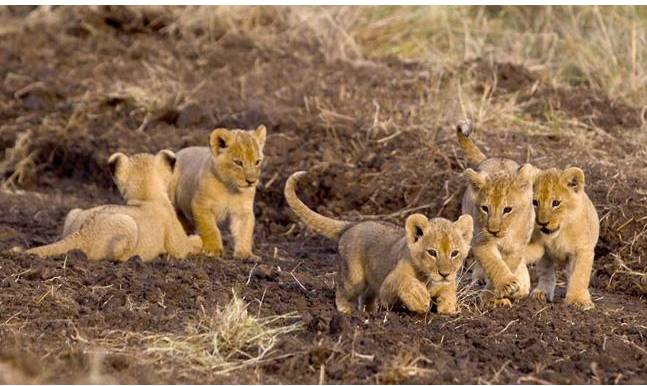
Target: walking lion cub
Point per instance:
(410, 266)
(567, 229)
(146, 226)
(499, 197)
(211, 184)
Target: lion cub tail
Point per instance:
(472, 152)
(323, 225)
(59, 247)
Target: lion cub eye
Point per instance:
(535, 203)
(556, 203)
(258, 162)
(238, 162)
(432, 253)
(484, 208)
(507, 210)
(454, 254)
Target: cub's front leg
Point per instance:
(405, 287)
(205, 223)
(577, 290)
(504, 281)
(242, 230)
(445, 295)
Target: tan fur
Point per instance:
(215, 183)
(566, 231)
(380, 260)
(146, 226)
(499, 198)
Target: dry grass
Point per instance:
(604, 47)
(225, 341)
(17, 168)
(407, 364)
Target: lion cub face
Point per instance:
(555, 195)
(438, 247)
(501, 198)
(238, 156)
(142, 176)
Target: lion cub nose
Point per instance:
(443, 274)
(251, 181)
(543, 224)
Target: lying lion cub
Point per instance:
(411, 266)
(146, 226)
(211, 184)
(499, 197)
(566, 230)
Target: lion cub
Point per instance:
(411, 265)
(499, 197)
(146, 226)
(566, 230)
(211, 184)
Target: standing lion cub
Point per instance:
(211, 184)
(146, 226)
(499, 197)
(410, 266)
(566, 230)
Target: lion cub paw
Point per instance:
(581, 302)
(500, 302)
(446, 308)
(212, 250)
(247, 256)
(417, 298)
(508, 289)
(196, 243)
(539, 295)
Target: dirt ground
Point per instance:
(378, 138)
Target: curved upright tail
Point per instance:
(472, 152)
(323, 225)
(59, 247)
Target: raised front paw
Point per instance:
(247, 256)
(417, 298)
(582, 302)
(508, 289)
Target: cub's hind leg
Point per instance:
(545, 289)
(351, 284)
(112, 237)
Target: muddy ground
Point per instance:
(377, 136)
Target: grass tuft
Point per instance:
(229, 339)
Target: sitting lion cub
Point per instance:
(566, 230)
(499, 197)
(411, 266)
(211, 184)
(146, 226)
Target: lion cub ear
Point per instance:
(220, 139)
(465, 226)
(526, 176)
(415, 227)
(477, 181)
(168, 157)
(116, 162)
(573, 178)
(259, 135)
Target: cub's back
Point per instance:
(377, 244)
(186, 177)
